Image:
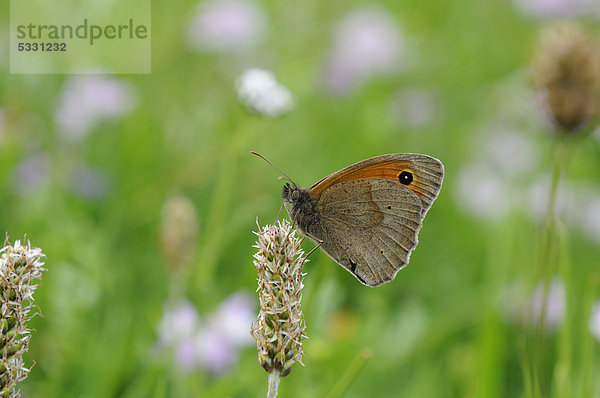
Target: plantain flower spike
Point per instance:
(566, 69)
(21, 269)
(178, 232)
(279, 328)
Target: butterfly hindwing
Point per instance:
(369, 226)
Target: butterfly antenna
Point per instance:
(285, 176)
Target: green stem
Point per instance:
(548, 249)
(274, 380)
(587, 351)
(562, 371)
(176, 286)
(350, 374)
(492, 335)
(526, 368)
(548, 260)
(214, 230)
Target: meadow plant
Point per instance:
(546, 9)
(89, 183)
(226, 26)
(595, 320)
(566, 74)
(87, 100)
(417, 107)
(178, 233)
(261, 93)
(21, 269)
(279, 328)
(367, 43)
(33, 173)
(264, 98)
(552, 301)
(3, 121)
(211, 342)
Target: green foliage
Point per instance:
(439, 330)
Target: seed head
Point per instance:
(178, 232)
(279, 328)
(567, 72)
(21, 269)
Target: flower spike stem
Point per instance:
(273, 384)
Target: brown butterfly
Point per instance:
(367, 216)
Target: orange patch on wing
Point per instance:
(389, 169)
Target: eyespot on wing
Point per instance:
(422, 174)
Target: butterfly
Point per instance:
(367, 216)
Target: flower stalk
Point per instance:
(274, 379)
(566, 73)
(21, 269)
(279, 327)
(178, 234)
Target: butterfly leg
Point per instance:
(315, 248)
(279, 212)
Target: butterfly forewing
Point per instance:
(424, 175)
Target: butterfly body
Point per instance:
(367, 216)
(302, 209)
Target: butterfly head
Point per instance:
(299, 204)
(291, 193)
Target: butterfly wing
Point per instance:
(369, 226)
(426, 175)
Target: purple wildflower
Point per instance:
(365, 44)
(226, 25)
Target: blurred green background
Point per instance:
(87, 164)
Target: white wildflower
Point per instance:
(258, 90)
